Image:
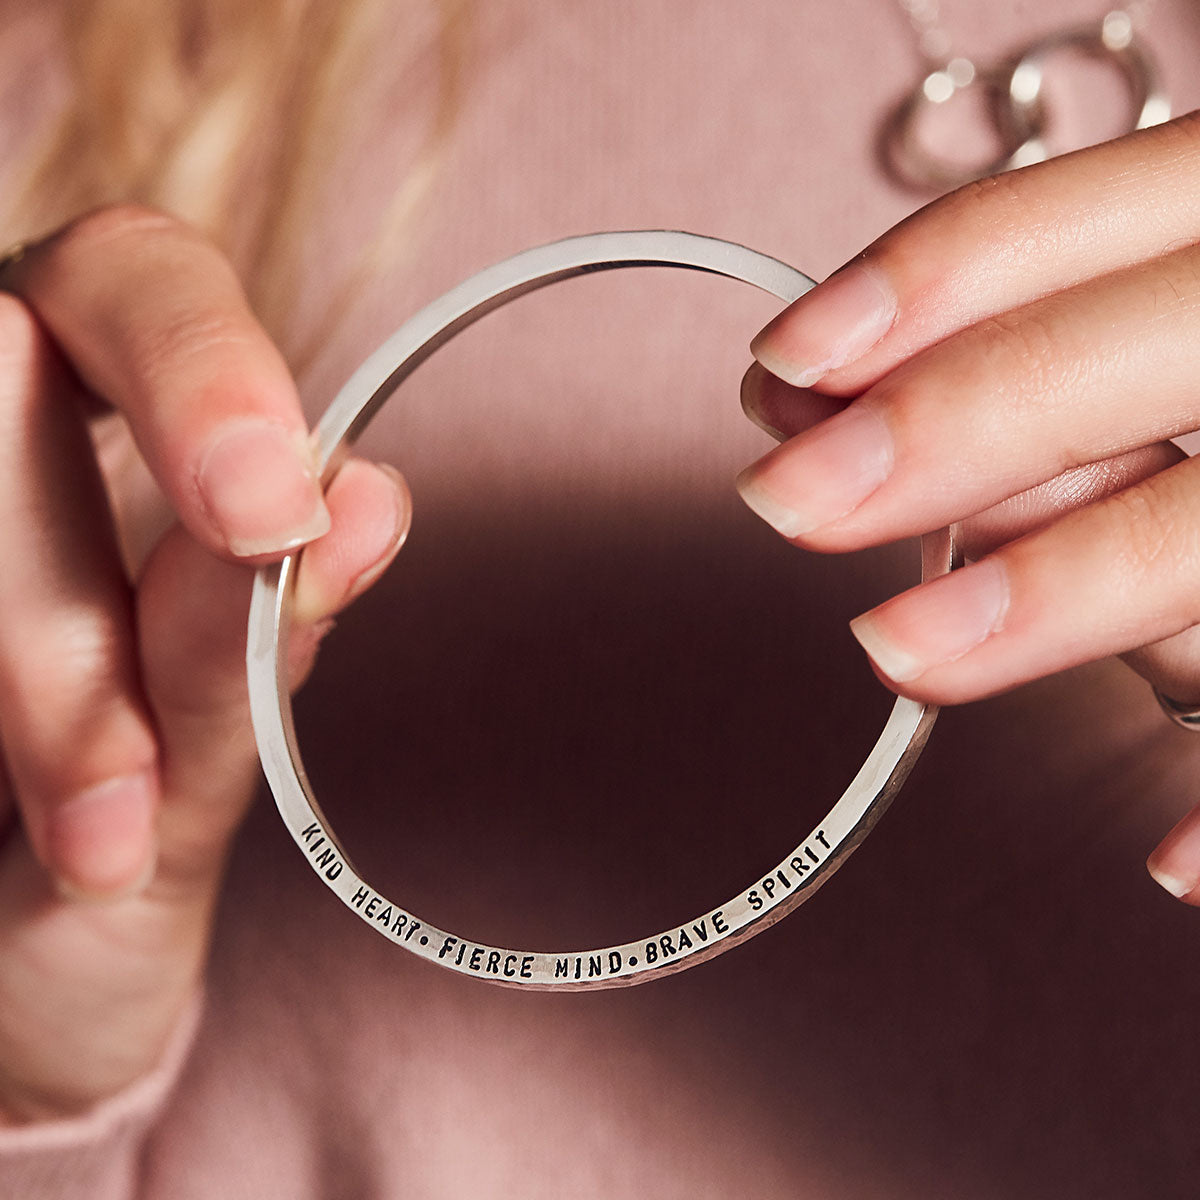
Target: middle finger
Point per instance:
(1004, 405)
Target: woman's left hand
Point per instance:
(1015, 357)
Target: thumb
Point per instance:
(192, 611)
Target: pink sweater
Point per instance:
(595, 695)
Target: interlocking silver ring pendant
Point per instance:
(911, 162)
(1148, 103)
(780, 887)
(1014, 103)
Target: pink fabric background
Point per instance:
(595, 695)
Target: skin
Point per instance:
(122, 653)
(1059, 292)
(1013, 358)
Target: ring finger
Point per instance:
(1172, 665)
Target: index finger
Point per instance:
(989, 247)
(153, 319)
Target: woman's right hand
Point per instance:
(128, 759)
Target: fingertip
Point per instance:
(258, 487)
(937, 624)
(789, 521)
(834, 324)
(891, 660)
(752, 398)
(403, 501)
(780, 409)
(389, 527)
(371, 508)
(1179, 888)
(1175, 863)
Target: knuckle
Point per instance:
(1154, 536)
(1037, 359)
(119, 238)
(1021, 343)
(68, 655)
(147, 245)
(1172, 283)
(112, 223)
(1033, 347)
(68, 715)
(179, 336)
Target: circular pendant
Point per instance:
(910, 161)
(769, 896)
(1112, 43)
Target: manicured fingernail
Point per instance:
(101, 843)
(935, 623)
(822, 474)
(260, 489)
(1171, 883)
(835, 323)
(752, 400)
(1175, 864)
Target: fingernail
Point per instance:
(1175, 864)
(937, 622)
(822, 474)
(260, 489)
(1171, 883)
(101, 843)
(835, 323)
(752, 400)
(374, 518)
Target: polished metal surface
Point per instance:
(1012, 99)
(1113, 43)
(1185, 715)
(769, 896)
(914, 163)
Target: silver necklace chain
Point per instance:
(936, 45)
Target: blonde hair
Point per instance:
(229, 114)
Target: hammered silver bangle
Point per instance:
(771, 895)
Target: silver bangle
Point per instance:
(771, 895)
